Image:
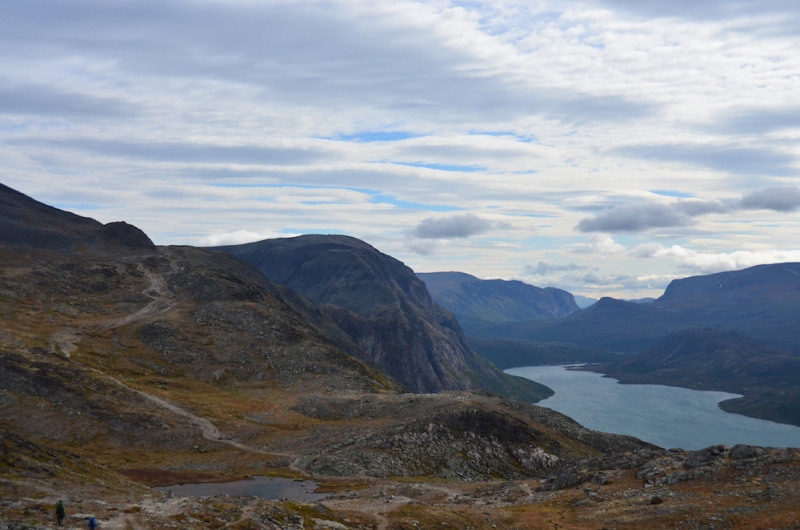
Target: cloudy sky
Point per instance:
(602, 146)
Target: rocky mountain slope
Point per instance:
(707, 359)
(385, 309)
(474, 301)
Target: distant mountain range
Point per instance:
(709, 359)
(476, 302)
(762, 302)
(386, 311)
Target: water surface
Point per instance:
(663, 415)
(271, 488)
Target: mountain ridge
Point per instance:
(476, 303)
(385, 308)
(762, 302)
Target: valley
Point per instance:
(125, 365)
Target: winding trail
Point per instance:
(210, 432)
(162, 301)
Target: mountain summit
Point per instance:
(385, 308)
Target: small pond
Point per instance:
(271, 488)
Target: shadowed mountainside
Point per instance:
(708, 359)
(475, 302)
(762, 302)
(382, 305)
(31, 224)
(508, 353)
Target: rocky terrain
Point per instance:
(385, 309)
(475, 302)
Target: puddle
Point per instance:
(270, 488)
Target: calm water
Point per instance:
(662, 415)
(271, 488)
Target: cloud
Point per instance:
(187, 152)
(708, 262)
(757, 121)
(454, 226)
(784, 199)
(544, 268)
(46, 101)
(634, 218)
(709, 9)
(697, 207)
(425, 247)
(625, 281)
(237, 237)
(642, 217)
(731, 159)
(599, 244)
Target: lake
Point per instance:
(663, 415)
(271, 488)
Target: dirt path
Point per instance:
(210, 432)
(162, 301)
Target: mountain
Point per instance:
(475, 302)
(27, 223)
(610, 324)
(647, 300)
(386, 310)
(136, 362)
(762, 302)
(583, 301)
(125, 365)
(709, 359)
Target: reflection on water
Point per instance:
(271, 488)
(662, 415)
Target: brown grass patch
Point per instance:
(166, 477)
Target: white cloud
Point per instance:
(709, 262)
(236, 237)
(367, 117)
(599, 244)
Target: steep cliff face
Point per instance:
(384, 307)
(474, 301)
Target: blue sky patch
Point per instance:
(443, 167)
(382, 198)
(377, 136)
(672, 193)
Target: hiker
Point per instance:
(61, 512)
(93, 523)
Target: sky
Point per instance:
(605, 147)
